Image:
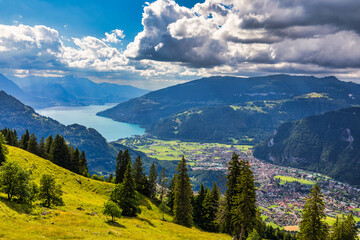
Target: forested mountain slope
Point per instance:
(327, 143)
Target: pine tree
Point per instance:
(183, 194)
(152, 181)
(171, 194)
(48, 142)
(41, 150)
(198, 205)
(234, 173)
(209, 209)
(243, 205)
(122, 161)
(59, 152)
(140, 178)
(32, 145)
(75, 161)
(163, 181)
(344, 228)
(83, 165)
(3, 149)
(312, 225)
(254, 235)
(125, 195)
(24, 140)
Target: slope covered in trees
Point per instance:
(81, 216)
(177, 111)
(327, 143)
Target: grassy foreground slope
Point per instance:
(81, 217)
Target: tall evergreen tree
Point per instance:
(231, 190)
(125, 195)
(140, 178)
(24, 140)
(313, 225)
(243, 209)
(83, 165)
(163, 181)
(75, 161)
(198, 205)
(171, 193)
(59, 152)
(344, 228)
(183, 195)
(48, 142)
(152, 180)
(210, 208)
(122, 161)
(32, 145)
(41, 150)
(3, 149)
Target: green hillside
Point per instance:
(81, 217)
(327, 143)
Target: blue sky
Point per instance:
(179, 40)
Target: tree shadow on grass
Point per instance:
(114, 224)
(145, 220)
(17, 206)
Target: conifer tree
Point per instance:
(59, 152)
(119, 159)
(140, 176)
(122, 161)
(125, 195)
(41, 150)
(234, 173)
(24, 140)
(75, 161)
(183, 194)
(198, 205)
(171, 194)
(243, 205)
(32, 145)
(152, 181)
(313, 225)
(163, 181)
(209, 209)
(344, 228)
(3, 149)
(254, 235)
(83, 165)
(48, 142)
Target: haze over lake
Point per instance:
(110, 129)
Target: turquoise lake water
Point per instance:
(110, 129)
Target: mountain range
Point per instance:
(41, 92)
(234, 109)
(327, 143)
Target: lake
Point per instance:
(110, 129)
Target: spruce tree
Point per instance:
(243, 205)
(313, 225)
(183, 194)
(125, 195)
(231, 190)
(171, 194)
(198, 205)
(48, 142)
(163, 181)
(75, 161)
(140, 176)
(59, 152)
(83, 165)
(32, 145)
(3, 149)
(152, 181)
(41, 150)
(344, 228)
(122, 161)
(210, 208)
(24, 140)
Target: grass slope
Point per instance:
(81, 217)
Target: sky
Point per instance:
(154, 44)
